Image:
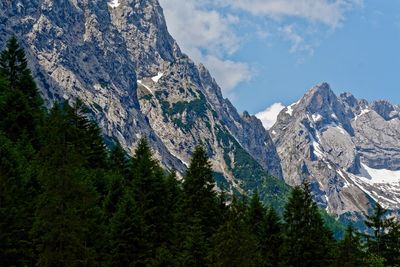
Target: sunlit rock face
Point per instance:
(119, 59)
(348, 149)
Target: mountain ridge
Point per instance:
(120, 60)
(346, 147)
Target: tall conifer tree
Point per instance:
(307, 240)
(349, 252)
(149, 192)
(65, 209)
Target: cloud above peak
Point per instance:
(269, 116)
(206, 35)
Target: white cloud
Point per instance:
(196, 27)
(229, 73)
(207, 37)
(329, 12)
(268, 116)
(290, 34)
(297, 41)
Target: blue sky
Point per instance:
(271, 51)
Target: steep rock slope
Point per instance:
(347, 148)
(119, 58)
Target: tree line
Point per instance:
(68, 200)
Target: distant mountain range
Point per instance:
(120, 60)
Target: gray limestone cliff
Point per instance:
(120, 60)
(346, 148)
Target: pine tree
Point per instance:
(87, 135)
(266, 227)
(272, 242)
(13, 62)
(256, 217)
(391, 242)
(119, 160)
(19, 97)
(16, 199)
(127, 234)
(385, 241)
(234, 244)
(115, 192)
(19, 122)
(307, 241)
(149, 192)
(193, 243)
(66, 209)
(197, 211)
(378, 223)
(350, 253)
(198, 191)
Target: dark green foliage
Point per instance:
(194, 109)
(20, 117)
(13, 63)
(266, 227)
(220, 180)
(149, 191)
(115, 191)
(193, 247)
(119, 160)
(234, 243)
(19, 97)
(127, 233)
(378, 223)
(307, 241)
(147, 97)
(350, 252)
(385, 241)
(66, 207)
(16, 211)
(256, 216)
(337, 227)
(392, 243)
(198, 195)
(198, 211)
(254, 177)
(272, 242)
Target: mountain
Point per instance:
(120, 60)
(348, 149)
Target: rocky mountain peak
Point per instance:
(385, 109)
(150, 44)
(349, 100)
(346, 147)
(118, 57)
(322, 102)
(319, 107)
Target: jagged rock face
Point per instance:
(76, 51)
(347, 149)
(119, 58)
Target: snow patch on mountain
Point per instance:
(290, 108)
(364, 111)
(317, 117)
(145, 86)
(382, 185)
(114, 3)
(379, 176)
(157, 77)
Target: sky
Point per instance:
(265, 54)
